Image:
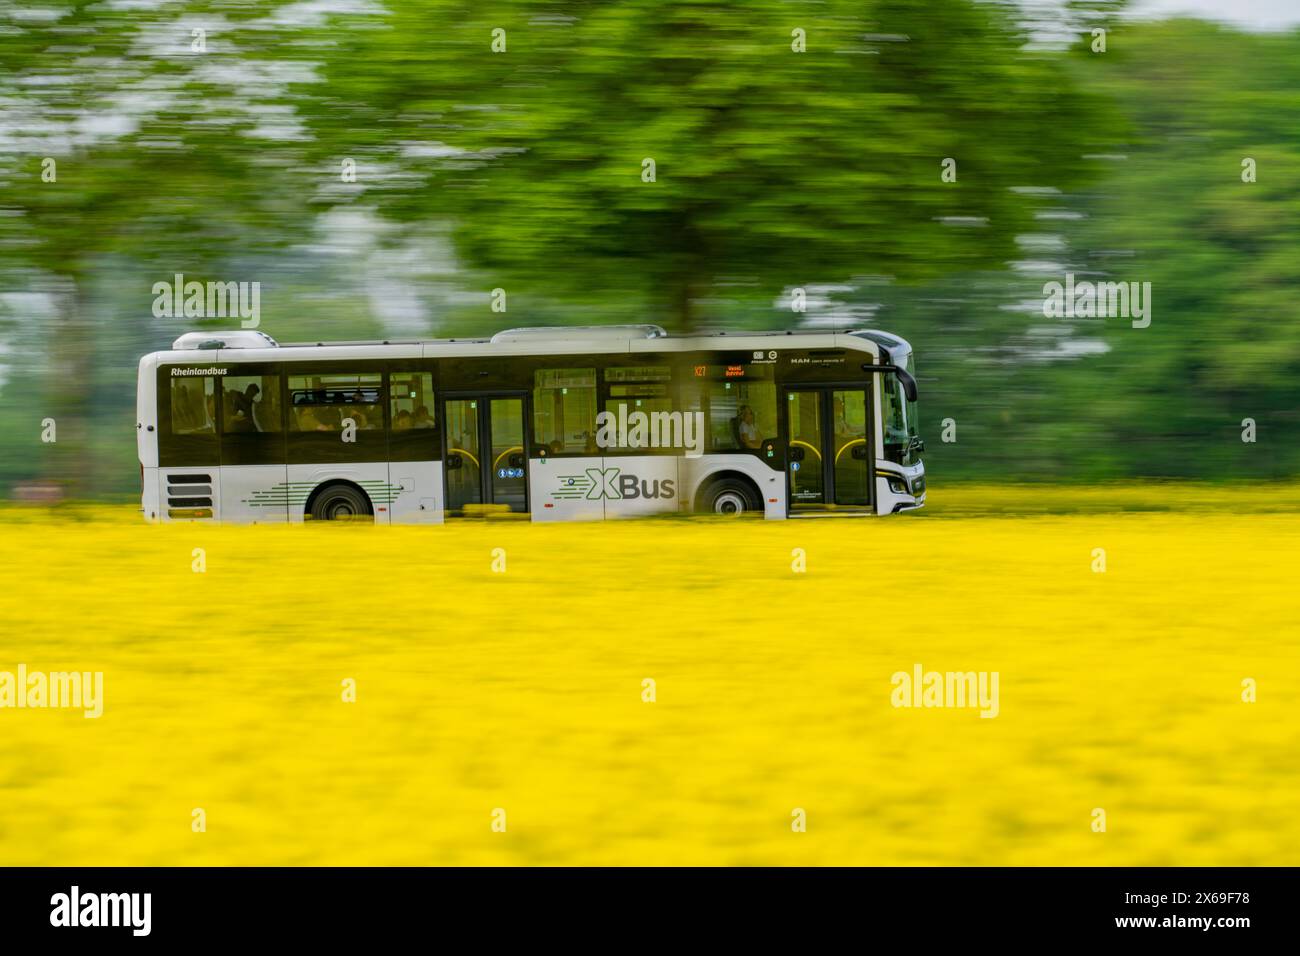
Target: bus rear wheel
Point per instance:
(730, 496)
(340, 503)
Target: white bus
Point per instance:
(544, 424)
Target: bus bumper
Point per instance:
(900, 489)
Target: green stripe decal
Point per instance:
(297, 492)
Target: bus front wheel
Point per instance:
(730, 496)
(340, 502)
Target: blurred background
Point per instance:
(380, 167)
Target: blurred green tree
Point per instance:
(683, 152)
(1180, 207)
(129, 142)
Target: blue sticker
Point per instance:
(794, 466)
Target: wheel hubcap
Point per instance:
(728, 504)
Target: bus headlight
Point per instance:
(898, 486)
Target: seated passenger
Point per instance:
(308, 422)
(240, 408)
(330, 418)
(746, 429)
(422, 418)
(403, 421)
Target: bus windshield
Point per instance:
(899, 418)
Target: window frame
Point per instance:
(555, 363)
(312, 448)
(253, 448)
(672, 391)
(414, 444)
(180, 450)
(705, 383)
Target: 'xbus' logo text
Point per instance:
(600, 483)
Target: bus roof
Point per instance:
(254, 346)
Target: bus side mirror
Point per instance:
(908, 382)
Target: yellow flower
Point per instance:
(477, 690)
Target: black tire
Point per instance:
(729, 496)
(340, 502)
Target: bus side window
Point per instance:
(564, 410)
(410, 396)
(645, 390)
(194, 406)
(250, 403)
(741, 414)
(321, 402)
(412, 423)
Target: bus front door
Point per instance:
(828, 464)
(485, 466)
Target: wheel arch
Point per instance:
(726, 474)
(331, 483)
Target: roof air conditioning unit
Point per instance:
(241, 339)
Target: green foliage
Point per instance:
(154, 159)
(1167, 206)
(125, 149)
(1222, 255)
(772, 168)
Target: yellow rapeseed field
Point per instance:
(523, 690)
